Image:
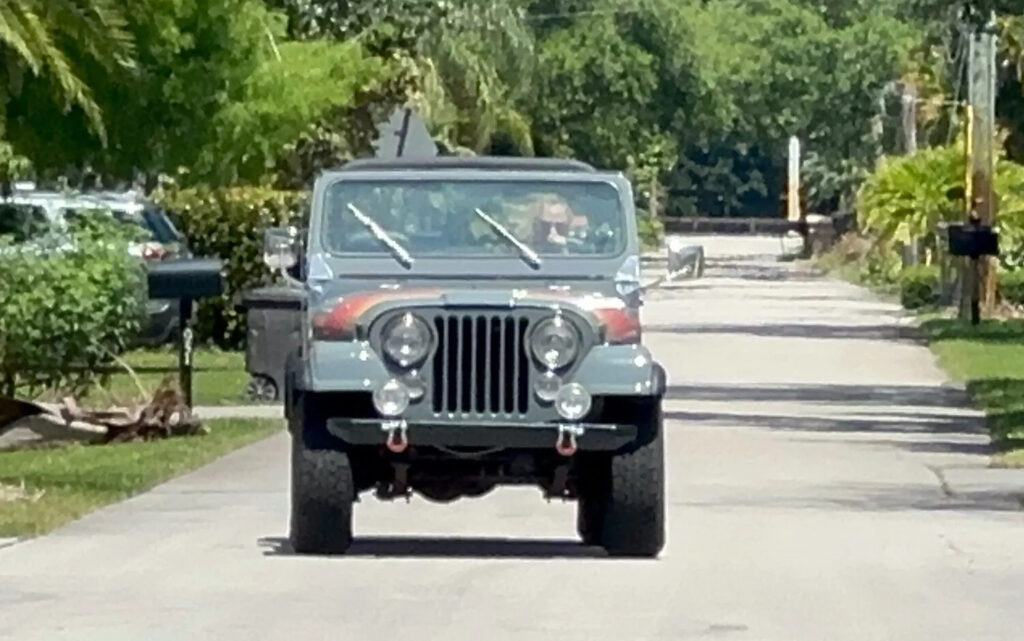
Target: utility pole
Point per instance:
(908, 117)
(908, 137)
(980, 275)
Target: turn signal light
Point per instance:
(340, 321)
(621, 325)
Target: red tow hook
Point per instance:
(397, 441)
(566, 443)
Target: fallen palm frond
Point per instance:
(165, 415)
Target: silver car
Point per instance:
(39, 220)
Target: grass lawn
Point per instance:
(990, 360)
(219, 377)
(61, 484)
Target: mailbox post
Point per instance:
(973, 240)
(186, 279)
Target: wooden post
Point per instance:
(968, 273)
(982, 162)
(793, 191)
(908, 113)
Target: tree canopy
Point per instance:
(695, 99)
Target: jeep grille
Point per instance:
(481, 364)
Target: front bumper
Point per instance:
(589, 436)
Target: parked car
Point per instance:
(40, 219)
(470, 323)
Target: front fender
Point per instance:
(621, 370)
(340, 366)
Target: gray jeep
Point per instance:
(470, 323)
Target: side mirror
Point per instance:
(281, 248)
(684, 260)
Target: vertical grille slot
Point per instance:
(439, 362)
(522, 371)
(481, 345)
(511, 365)
(481, 365)
(453, 356)
(496, 363)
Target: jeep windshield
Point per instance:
(441, 218)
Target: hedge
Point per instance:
(66, 309)
(920, 287)
(1011, 287)
(228, 223)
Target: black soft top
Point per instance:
(489, 163)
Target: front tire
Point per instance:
(323, 491)
(623, 506)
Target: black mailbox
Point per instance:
(973, 240)
(185, 278)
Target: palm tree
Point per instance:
(476, 65)
(47, 36)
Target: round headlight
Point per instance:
(406, 340)
(555, 343)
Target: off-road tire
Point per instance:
(633, 515)
(323, 489)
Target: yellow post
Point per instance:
(968, 155)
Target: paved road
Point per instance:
(811, 443)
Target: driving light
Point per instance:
(555, 343)
(573, 402)
(391, 399)
(406, 340)
(546, 387)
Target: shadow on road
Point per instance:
(888, 395)
(452, 547)
(798, 330)
(864, 497)
(839, 424)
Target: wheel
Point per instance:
(261, 388)
(322, 497)
(633, 515)
(323, 491)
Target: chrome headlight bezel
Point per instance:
(551, 357)
(406, 340)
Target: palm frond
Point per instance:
(41, 35)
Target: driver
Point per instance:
(555, 224)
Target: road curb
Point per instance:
(269, 412)
(6, 543)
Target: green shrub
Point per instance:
(906, 198)
(228, 223)
(1011, 287)
(65, 313)
(920, 287)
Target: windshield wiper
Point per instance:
(525, 252)
(400, 253)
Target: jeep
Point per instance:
(470, 323)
